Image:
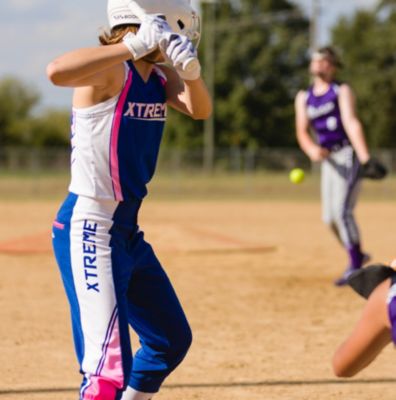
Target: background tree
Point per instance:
(51, 129)
(368, 43)
(19, 124)
(16, 103)
(260, 63)
(261, 59)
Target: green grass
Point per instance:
(194, 186)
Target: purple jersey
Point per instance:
(325, 117)
(391, 301)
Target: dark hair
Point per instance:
(331, 55)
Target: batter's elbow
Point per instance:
(54, 73)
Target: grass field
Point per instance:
(259, 186)
(253, 267)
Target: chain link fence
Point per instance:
(233, 160)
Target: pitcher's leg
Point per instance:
(347, 188)
(328, 173)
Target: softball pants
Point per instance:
(340, 187)
(112, 280)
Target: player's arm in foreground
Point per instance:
(304, 138)
(191, 97)
(93, 66)
(352, 124)
(87, 66)
(185, 89)
(369, 336)
(98, 72)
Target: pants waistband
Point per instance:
(338, 146)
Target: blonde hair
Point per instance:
(116, 34)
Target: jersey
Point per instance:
(115, 144)
(325, 117)
(391, 303)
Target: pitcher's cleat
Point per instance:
(343, 280)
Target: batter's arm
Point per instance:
(88, 66)
(304, 138)
(189, 97)
(352, 124)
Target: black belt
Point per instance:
(338, 146)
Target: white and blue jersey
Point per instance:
(115, 144)
(111, 275)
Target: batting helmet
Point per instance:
(179, 14)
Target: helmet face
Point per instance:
(179, 14)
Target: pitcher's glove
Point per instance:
(373, 169)
(365, 280)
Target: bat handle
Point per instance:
(190, 64)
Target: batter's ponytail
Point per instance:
(116, 34)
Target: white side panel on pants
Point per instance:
(132, 394)
(93, 279)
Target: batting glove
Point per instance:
(147, 38)
(181, 53)
(373, 169)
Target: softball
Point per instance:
(296, 175)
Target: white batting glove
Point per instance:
(181, 53)
(147, 38)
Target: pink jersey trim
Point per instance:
(115, 131)
(58, 225)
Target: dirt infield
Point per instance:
(255, 279)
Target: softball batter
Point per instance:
(328, 108)
(111, 275)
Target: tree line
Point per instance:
(261, 57)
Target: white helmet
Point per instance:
(179, 14)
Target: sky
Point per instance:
(34, 32)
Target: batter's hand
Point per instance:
(373, 169)
(147, 38)
(317, 153)
(179, 50)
